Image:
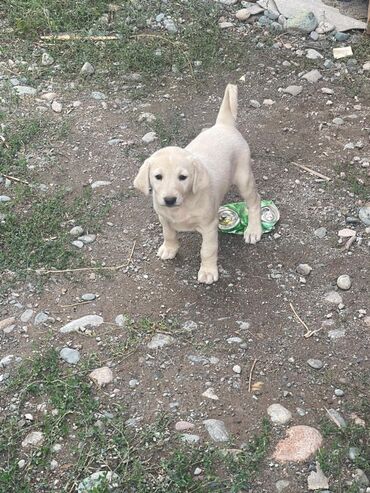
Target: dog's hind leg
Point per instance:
(246, 184)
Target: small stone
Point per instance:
(87, 239)
(133, 383)
(26, 316)
(21, 463)
(254, 103)
(71, 356)
(316, 364)
(121, 320)
(353, 453)
(217, 430)
(82, 323)
(293, 90)
(98, 481)
(197, 471)
(99, 184)
(226, 25)
(320, 232)
(149, 137)
(304, 22)
(364, 214)
(87, 69)
(56, 107)
(101, 376)
(190, 326)
(234, 340)
(360, 478)
(7, 360)
(53, 464)
(268, 102)
(337, 418)
(312, 54)
(170, 26)
(327, 90)
(76, 231)
(325, 27)
(314, 36)
(301, 442)
(210, 394)
(317, 479)
(191, 439)
(88, 297)
(160, 340)
(333, 297)
(98, 95)
(304, 269)
(7, 322)
(25, 90)
(341, 36)
(56, 447)
(279, 414)
(346, 233)
(339, 392)
(33, 439)
(41, 318)
(313, 76)
(183, 426)
(366, 66)
(5, 198)
(47, 59)
(243, 14)
(344, 282)
(281, 485)
(275, 28)
(146, 117)
(336, 334)
(342, 52)
(338, 121)
(78, 244)
(237, 369)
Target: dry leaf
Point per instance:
(257, 386)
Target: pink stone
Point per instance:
(300, 444)
(183, 426)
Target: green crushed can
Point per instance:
(233, 218)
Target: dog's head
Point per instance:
(172, 174)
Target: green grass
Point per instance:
(94, 437)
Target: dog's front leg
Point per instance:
(208, 272)
(170, 245)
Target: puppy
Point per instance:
(189, 185)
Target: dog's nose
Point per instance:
(170, 201)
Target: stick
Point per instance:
(77, 37)
(313, 172)
(82, 269)
(250, 375)
(349, 242)
(77, 304)
(13, 178)
(309, 332)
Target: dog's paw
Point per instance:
(253, 234)
(167, 252)
(207, 275)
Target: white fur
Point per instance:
(216, 159)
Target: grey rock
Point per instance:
(333, 297)
(170, 26)
(339, 36)
(264, 21)
(281, 485)
(78, 244)
(360, 478)
(98, 95)
(327, 90)
(254, 103)
(71, 356)
(344, 282)
(293, 90)
(315, 363)
(56, 107)
(149, 137)
(339, 392)
(88, 297)
(25, 90)
(338, 121)
(336, 333)
(304, 269)
(320, 232)
(314, 36)
(303, 22)
(97, 481)
(190, 326)
(87, 239)
(189, 438)
(41, 318)
(87, 69)
(353, 453)
(160, 340)
(26, 316)
(216, 430)
(325, 27)
(312, 76)
(133, 383)
(76, 231)
(279, 414)
(33, 439)
(100, 183)
(7, 360)
(364, 214)
(253, 8)
(312, 54)
(159, 18)
(328, 64)
(337, 418)
(4, 198)
(271, 14)
(121, 320)
(82, 323)
(275, 28)
(317, 479)
(47, 59)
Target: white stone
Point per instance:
(346, 233)
(76, 231)
(293, 90)
(101, 376)
(160, 340)
(312, 54)
(279, 414)
(33, 439)
(26, 316)
(56, 107)
(304, 269)
(87, 69)
(210, 394)
(98, 480)
(71, 356)
(82, 323)
(243, 14)
(312, 76)
(100, 183)
(47, 59)
(237, 369)
(217, 430)
(149, 137)
(333, 297)
(344, 282)
(325, 27)
(317, 480)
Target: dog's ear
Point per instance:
(142, 181)
(201, 177)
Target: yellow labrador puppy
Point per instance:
(189, 185)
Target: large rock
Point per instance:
(304, 22)
(301, 442)
(82, 323)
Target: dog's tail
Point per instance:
(229, 106)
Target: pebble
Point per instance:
(317, 479)
(338, 121)
(353, 453)
(243, 14)
(333, 297)
(170, 26)
(339, 392)
(101, 376)
(304, 269)
(304, 21)
(254, 103)
(97, 481)
(197, 471)
(336, 333)
(312, 76)
(25, 90)
(189, 438)
(87, 239)
(344, 282)
(320, 232)
(327, 90)
(226, 25)
(314, 36)
(281, 485)
(237, 369)
(82, 323)
(360, 478)
(56, 107)
(216, 430)
(5, 198)
(366, 66)
(183, 426)
(341, 36)
(121, 320)
(346, 233)
(6, 360)
(301, 442)
(315, 363)
(47, 59)
(268, 102)
(33, 439)
(76, 231)
(149, 137)
(190, 326)
(100, 183)
(146, 117)
(78, 244)
(87, 69)
(7, 322)
(234, 340)
(133, 383)
(41, 318)
(160, 340)
(293, 90)
(210, 394)
(279, 414)
(26, 316)
(88, 297)
(53, 464)
(312, 54)
(364, 214)
(325, 27)
(71, 356)
(21, 463)
(337, 418)
(98, 95)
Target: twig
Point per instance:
(308, 331)
(250, 375)
(312, 332)
(313, 172)
(78, 37)
(13, 178)
(349, 242)
(84, 269)
(76, 304)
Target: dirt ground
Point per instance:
(258, 285)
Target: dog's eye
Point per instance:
(182, 177)
(158, 177)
